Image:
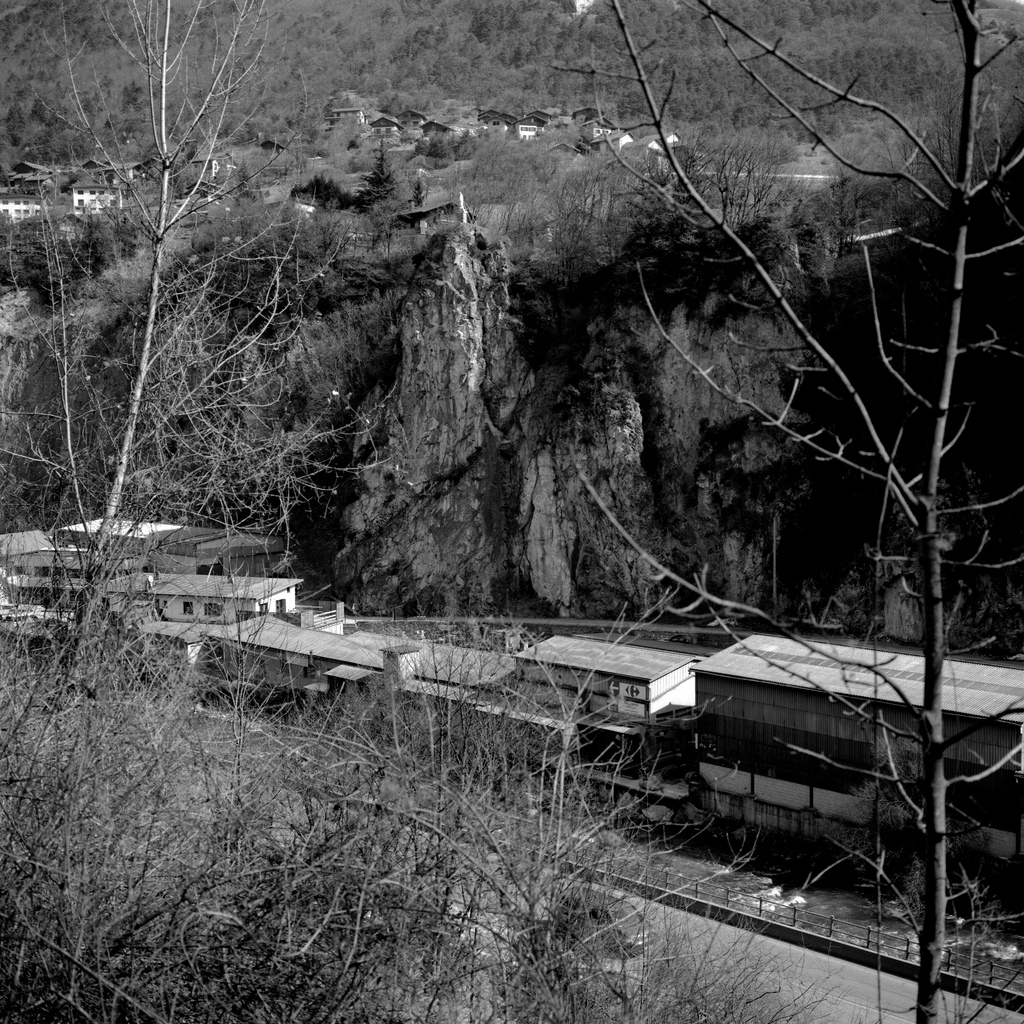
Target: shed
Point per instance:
(614, 678)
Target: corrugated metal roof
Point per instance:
(464, 665)
(273, 634)
(613, 659)
(971, 688)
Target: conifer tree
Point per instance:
(379, 184)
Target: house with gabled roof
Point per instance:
(498, 119)
(530, 126)
(410, 118)
(611, 143)
(338, 116)
(435, 128)
(385, 125)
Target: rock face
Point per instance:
(489, 485)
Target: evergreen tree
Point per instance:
(15, 124)
(379, 185)
(419, 192)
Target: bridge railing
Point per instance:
(888, 943)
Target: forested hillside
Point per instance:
(510, 53)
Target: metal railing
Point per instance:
(901, 947)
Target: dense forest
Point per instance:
(514, 54)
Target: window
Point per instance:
(212, 609)
(186, 608)
(264, 607)
(281, 607)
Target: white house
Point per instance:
(185, 597)
(94, 197)
(20, 206)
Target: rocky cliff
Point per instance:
(476, 467)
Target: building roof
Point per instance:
(385, 120)
(611, 659)
(253, 588)
(187, 632)
(971, 687)
(468, 666)
(274, 634)
(124, 528)
(352, 673)
(25, 543)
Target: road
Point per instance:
(831, 991)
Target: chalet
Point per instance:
(614, 679)
(496, 119)
(435, 128)
(188, 597)
(770, 704)
(596, 127)
(385, 125)
(434, 212)
(25, 168)
(530, 126)
(94, 197)
(410, 118)
(650, 139)
(339, 117)
(611, 143)
(581, 115)
(213, 165)
(20, 206)
(112, 173)
(544, 113)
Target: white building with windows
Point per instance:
(185, 597)
(94, 197)
(20, 206)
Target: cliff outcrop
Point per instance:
(489, 483)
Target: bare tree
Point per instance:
(908, 472)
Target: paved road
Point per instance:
(832, 991)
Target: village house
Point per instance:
(112, 173)
(385, 125)
(529, 127)
(650, 139)
(88, 197)
(770, 704)
(189, 597)
(345, 116)
(434, 212)
(595, 128)
(410, 118)
(611, 143)
(496, 119)
(20, 206)
(435, 128)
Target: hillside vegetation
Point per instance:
(512, 53)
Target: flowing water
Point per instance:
(854, 910)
